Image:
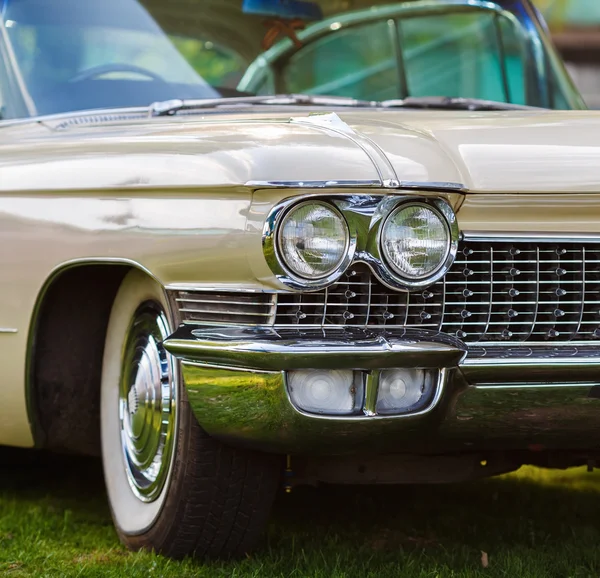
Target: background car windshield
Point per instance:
(474, 54)
(68, 55)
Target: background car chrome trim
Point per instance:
(263, 348)
(8, 330)
(529, 28)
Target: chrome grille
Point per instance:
(495, 292)
(236, 308)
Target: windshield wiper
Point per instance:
(452, 103)
(169, 107)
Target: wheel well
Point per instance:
(66, 349)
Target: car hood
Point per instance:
(522, 151)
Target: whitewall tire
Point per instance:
(171, 487)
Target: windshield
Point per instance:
(68, 55)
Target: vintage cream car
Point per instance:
(359, 280)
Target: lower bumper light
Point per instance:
(404, 391)
(328, 392)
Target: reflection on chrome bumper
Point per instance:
(263, 348)
(236, 384)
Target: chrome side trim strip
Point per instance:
(524, 385)
(524, 362)
(521, 236)
(8, 330)
(543, 372)
(533, 344)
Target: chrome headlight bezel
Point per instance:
(389, 207)
(276, 260)
(365, 215)
(387, 259)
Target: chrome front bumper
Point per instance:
(236, 384)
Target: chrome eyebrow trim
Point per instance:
(432, 186)
(342, 184)
(345, 184)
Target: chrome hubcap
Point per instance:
(148, 402)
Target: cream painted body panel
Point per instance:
(529, 151)
(169, 196)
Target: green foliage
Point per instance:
(54, 522)
(212, 63)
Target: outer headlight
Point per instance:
(313, 240)
(415, 241)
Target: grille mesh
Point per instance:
(235, 308)
(495, 292)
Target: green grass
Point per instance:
(54, 521)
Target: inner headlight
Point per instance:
(313, 240)
(415, 241)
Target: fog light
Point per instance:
(405, 390)
(326, 392)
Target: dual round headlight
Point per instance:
(314, 242)
(415, 241)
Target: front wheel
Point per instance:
(171, 487)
